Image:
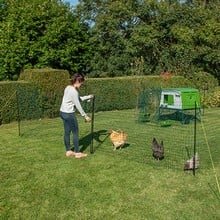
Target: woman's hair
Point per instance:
(77, 77)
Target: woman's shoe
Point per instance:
(79, 155)
(70, 153)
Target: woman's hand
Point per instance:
(87, 119)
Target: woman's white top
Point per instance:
(71, 101)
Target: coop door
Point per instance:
(168, 99)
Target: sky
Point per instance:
(72, 2)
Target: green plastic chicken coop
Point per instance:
(180, 101)
(169, 104)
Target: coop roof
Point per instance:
(181, 90)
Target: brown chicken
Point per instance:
(118, 139)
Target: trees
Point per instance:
(180, 36)
(109, 37)
(40, 34)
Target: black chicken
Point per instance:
(158, 149)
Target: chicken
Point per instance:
(118, 139)
(158, 149)
(189, 163)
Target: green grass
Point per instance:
(39, 182)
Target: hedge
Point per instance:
(39, 92)
(51, 83)
(18, 100)
(122, 92)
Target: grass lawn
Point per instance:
(39, 182)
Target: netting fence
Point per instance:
(180, 139)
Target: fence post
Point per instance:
(18, 114)
(194, 154)
(92, 126)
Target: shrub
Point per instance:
(43, 89)
(213, 98)
(122, 92)
(203, 80)
(20, 101)
(51, 83)
(206, 83)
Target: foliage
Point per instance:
(107, 38)
(20, 101)
(179, 36)
(35, 35)
(48, 84)
(207, 47)
(213, 99)
(122, 92)
(111, 93)
(203, 81)
(37, 94)
(39, 182)
(51, 83)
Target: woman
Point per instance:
(70, 103)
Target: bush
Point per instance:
(203, 80)
(43, 89)
(213, 98)
(206, 83)
(51, 83)
(122, 92)
(20, 101)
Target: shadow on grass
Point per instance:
(85, 142)
(179, 116)
(124, 146)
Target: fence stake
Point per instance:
(18, 115)
(92, 126)
(194, 157)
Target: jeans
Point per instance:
(70, 125)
